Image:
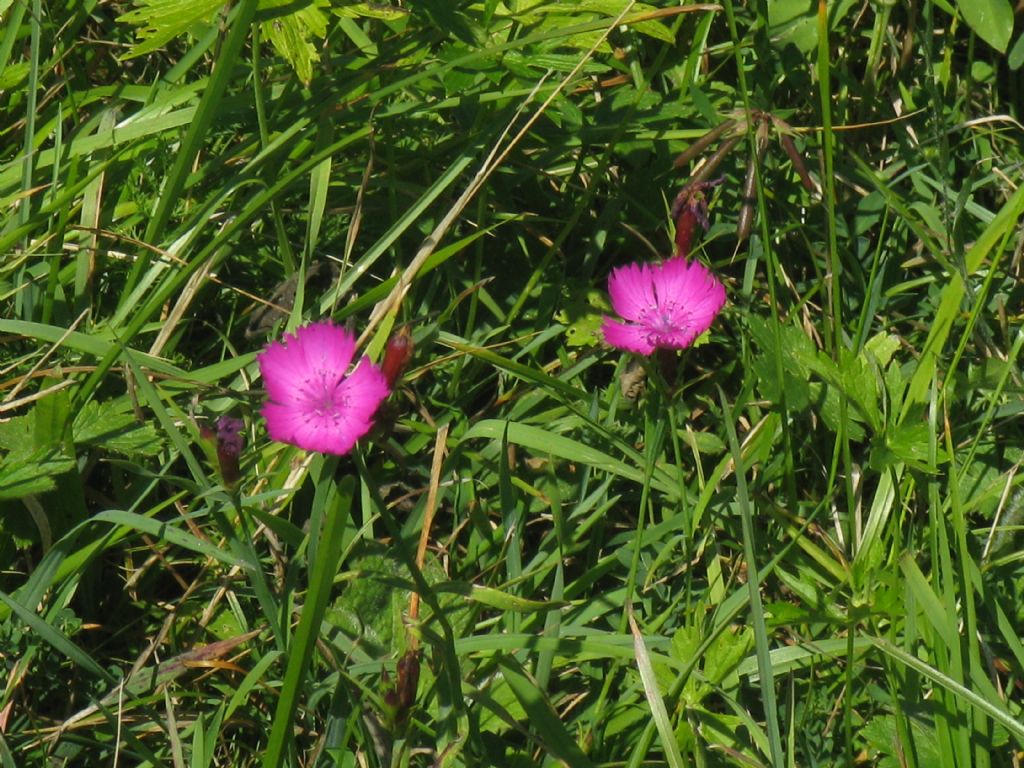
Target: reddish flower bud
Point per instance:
(397, 356)
(408, 679)
(229, 448)
(689, 209)
(684, 231)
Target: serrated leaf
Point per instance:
(111, 425)
(16, 433)
(381, 11)
(909, 442)
(582, 316)
(13, 75)
(883, 743)
(685, 643)
(160, 21)
(726, 653)
(292, 35)
(798, 354)
(858, 381)
(831, 412)
(882, 346)
(26, 473)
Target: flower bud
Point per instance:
(408, 679)
(229, 448)
(397, 356)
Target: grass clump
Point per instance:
(794, 543)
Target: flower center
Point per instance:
(666, 318)
(320, 391)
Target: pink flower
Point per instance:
(313, 401)
(666, 306)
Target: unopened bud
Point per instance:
(229, 448)
(408, 679)
(396, 356)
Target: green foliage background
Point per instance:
(807, 555)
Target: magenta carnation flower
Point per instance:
(665, 306)
(313, 400)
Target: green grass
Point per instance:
(806, 556)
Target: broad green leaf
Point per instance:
(292, 35)
(370, 604)
(797, 352)
(582, 316)
(883, 743)
(32, 472)
(32, 459)
(882, 346)
(376, 10)
(726, 653)
(686, 642)
(861, 386)
(795, 22)
(991, 20)
(112, 425)
(160, 21)
(13, 75)
(908, 443)
(16, 433)
(1016, 57)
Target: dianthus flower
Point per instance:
(665, 306)
(313, 400)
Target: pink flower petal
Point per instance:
(627, 336)
(326, 346)
(631, 290)
(276, 365)
(666, 305)
(313, 402)
(363, 390)
(674, 280)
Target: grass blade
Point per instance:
(332, 503)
